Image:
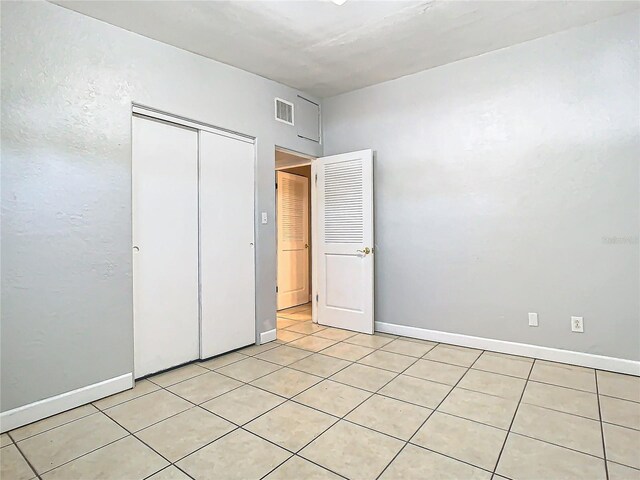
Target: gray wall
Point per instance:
(67, 86)
(509, 183)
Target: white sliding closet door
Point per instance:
(165, 245)
(227, 272)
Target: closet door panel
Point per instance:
(227, 264)
(165, 241)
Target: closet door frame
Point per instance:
(155, 114)
(185, 122)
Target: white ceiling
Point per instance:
(325, 49)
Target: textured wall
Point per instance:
(67, 86)
(509, 183)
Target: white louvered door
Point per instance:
(293, 239)
(344, 240)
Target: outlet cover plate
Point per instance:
(533, 319)
(577, 324)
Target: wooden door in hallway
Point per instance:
(292, 199)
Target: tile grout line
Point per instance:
(291, 399)
(179, 381)
(209, 399)
(75, 458)
(87, 453)
(295, 455)
(301, 392)
(182, 470)
(621, 426)
(194, 405)
(371, 394)
(52, 428)
(556, 445)
(342, 418)
(240, 427)
(635, 469)
(133, 434)
(207, 444)
(124, 401)
(38, 475)
(432, 411)
(514, 418)
(604, 446)
(95, 449)
(559, 411)
(165, 468)
(321, 466)
(476, 421)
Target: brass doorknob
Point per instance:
(306, 245)
(366, 251)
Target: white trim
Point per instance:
(268, 336)
(59, 403)
(294, 164)
(186, 122)
(296, 153)
(302, 159)
(600, 362)
(314, 242)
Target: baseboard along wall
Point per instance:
(600, 362)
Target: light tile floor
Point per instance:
(324, 403)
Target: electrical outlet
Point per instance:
(533, 319)
(264, 218)
(577, 324)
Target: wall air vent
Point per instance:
(284, 111)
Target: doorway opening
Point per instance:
(324, 237)
(293, 235)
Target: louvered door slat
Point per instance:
(343, 202)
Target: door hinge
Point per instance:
(316, 178)
(316, 298)
(276, 289)
(276, 185)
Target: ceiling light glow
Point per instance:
(339, 2)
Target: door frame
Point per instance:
(152, 113)
(305, 160)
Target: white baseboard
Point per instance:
(65, 401)
(600, 362)
(268, 336)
